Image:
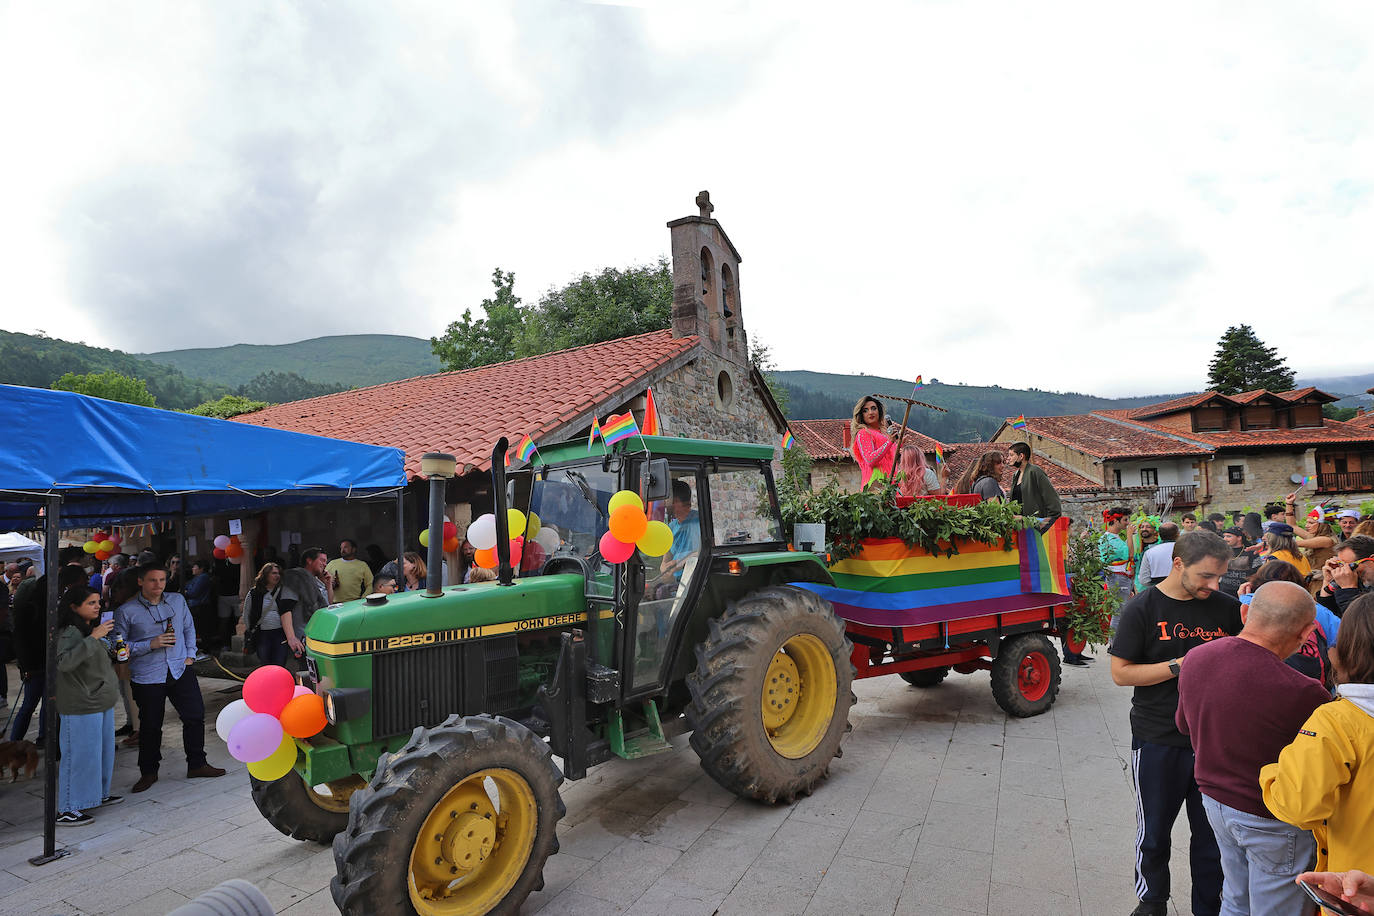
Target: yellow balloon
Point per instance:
(515, 519)
(657, 538)
(282, 760)
(424, 538)
(532, 527)
(625, 498)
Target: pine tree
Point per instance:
(1244, 363)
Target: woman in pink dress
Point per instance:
(869, 442)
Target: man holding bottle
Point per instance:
(161, 636)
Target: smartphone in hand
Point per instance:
(1330, 901)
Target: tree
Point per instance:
(495, 338)
(591, 309)
(604, 306)
(280, 387)
(1244, 363)
(110, 385)
(761, 358)
(231, 405)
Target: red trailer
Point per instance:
(985, 607)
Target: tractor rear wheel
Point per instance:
(458, 822)
(926, 677)
(1026, 674)
(302, 812)
(770, 696)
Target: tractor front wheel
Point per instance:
(458, 822)
(302, 812)
(771, 694)
(1026, 674)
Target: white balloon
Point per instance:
(222, 541)
(482, 532)
(230, 716)
(548, 539)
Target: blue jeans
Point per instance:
(272, 648)
(30, 694)
(83, 776)
(1260, 858)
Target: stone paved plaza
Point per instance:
(941, 804)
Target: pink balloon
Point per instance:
(268, 689)
(254, 738)
(301, 691)
(614, 551)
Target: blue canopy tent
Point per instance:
(72, 461)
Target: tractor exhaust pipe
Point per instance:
(504, 573)
(439, 468)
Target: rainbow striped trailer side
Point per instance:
(985, 607)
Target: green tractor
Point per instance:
(435, 779)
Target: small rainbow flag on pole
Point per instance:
(652, 427)
(788, 440)
(919, 384)
(596, 431)
(1310, 478)
(939, 454)
(619, 427)
(526, 449)
(1019, 422)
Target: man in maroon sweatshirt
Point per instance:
(1242, 705)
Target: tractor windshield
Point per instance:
(568, 506)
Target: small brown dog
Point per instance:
(18, 755)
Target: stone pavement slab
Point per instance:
(940, 804)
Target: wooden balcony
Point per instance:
(1183, 496)
(1345, 482)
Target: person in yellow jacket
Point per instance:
(1324, 780)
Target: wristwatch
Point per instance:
(1174, 667)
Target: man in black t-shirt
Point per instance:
(1155, 630)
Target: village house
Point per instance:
(698, 369)
(1214, 452)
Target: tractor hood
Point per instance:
(473, 611)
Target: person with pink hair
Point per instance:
(872, 448)
(915, 477)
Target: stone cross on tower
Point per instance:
(704, 204)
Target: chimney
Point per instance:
(847, 433)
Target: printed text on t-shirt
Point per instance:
(1183, 631)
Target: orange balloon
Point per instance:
(233, 550)
(487, 558)
(303, 716)
(628, 524)
(450, 545)
(102, 554)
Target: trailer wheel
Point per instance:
(926, 677)
(458, 822)
(770, 696)
(302, 812)
(1025, 675)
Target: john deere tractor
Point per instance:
(435, 778)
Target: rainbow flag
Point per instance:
(1311, 478)
(1019, 422)
(596, 431)
(1043, 557)
(919, 384)
(619, 427)
(787, 440)
(526, 449)
(651, 425)
(939, 454)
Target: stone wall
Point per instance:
(1066, 457)
(690, 403)
(1268, 478)
(843, 471)
(1085, 509)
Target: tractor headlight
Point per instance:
(344, 703)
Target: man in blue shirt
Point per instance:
(686, 527)
(161, 636)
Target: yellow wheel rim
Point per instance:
(334, 796)
(799, 692)
(471, 850)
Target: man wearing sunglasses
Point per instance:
(1347, 575)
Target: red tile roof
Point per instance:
(464, 413)
(959, 455)
(1332, 432)
(1101, 435)
(1181, 403)
(1363, 421)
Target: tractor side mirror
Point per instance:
(654, 480)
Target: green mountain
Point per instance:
(345, 361)
(26, 359)
(974, 412)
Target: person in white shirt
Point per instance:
(1159, 559)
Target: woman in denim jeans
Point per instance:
(87, 691)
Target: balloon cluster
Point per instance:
(103, 544)
(260, 729)
(629, 528)
(227, 547)
(531, 542)
(450, 537)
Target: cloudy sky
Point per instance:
(1067, 195)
